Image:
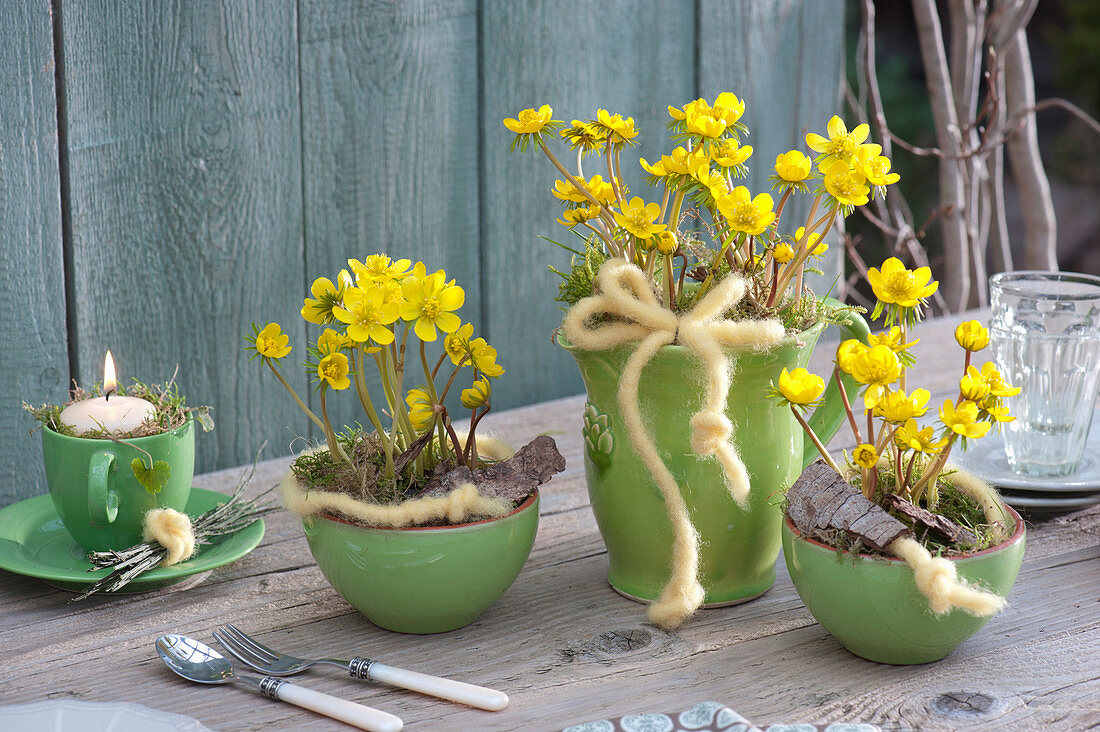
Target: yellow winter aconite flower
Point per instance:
(815, 246)
(846, 185)
(430, 301)
(897, 408)
(783, 252)
(638, 217)
(271, 342)
(665, 241)
(457, 344)
(874, 167)
(367, 315)
(963, 419)
(877, 367)
(326, 295)
(378, 268)
(895, 284)
(702, 123)
(846, 352)
(891, 339)
(477, 394)
(841, 144)
(332, 341)
(584, 136)
(617, 129)
(679, 162)
(484, 358)
(574, 216)
(792, 166)
(333, 370)
(800, 386)
(530, 121)
(729, 154)
(865, 456)
(973, 388)
(998, 412)
(998, 387)
(914, 437)
(972, 335)
(745, 214)
(727, 109)
(596, 186)
(421, 409)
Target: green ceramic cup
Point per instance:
(738, 547)
(423, 580)
(873, 607)
(95, 490)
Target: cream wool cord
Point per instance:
(172, 530)
(457, 506)
(936, 577)
(626, 293)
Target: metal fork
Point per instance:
(271, 662)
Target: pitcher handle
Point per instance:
(829, 415)
(102, 501)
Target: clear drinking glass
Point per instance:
(1045, 337)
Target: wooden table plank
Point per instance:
(563, 644)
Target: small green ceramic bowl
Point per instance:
(423, 579)
(872, 605)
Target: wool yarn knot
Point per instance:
(172, 530)
(626, 310)
(709, 432)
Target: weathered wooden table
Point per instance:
(563, 644)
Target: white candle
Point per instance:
(111, 413)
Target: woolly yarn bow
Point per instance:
(625, 292)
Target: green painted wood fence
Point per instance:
(172, 170)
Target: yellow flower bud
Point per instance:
(665, 242)
(792, 166)
(972, 335)
(477, 394)
(865, 456)
(783, 252)
(974, 389)
(800, 386)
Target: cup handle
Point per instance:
(829, 415)
(102, 502)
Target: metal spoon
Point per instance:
(199, 662)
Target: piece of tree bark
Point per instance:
(514, 478)
(940, 525)
(822, 501)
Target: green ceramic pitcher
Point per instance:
(738, 548)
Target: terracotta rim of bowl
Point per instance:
(336, 519)
(1016, 536)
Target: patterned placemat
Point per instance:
(707, 717)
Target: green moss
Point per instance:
(171, 411)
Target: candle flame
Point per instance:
(109, 382)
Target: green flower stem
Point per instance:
(674, 217)
(669, 281)
(364, 397)
(447, 388)
(664, 205)
(614, 181)
(471, 442)
(932, 473)
(309, 413)
(445, 420)
(739, 239)
(817, 442)
(847, 404)
(604, 213)
(334, 447)
(381, 360)
(444, 453)
(783, 202)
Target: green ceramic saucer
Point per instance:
(34, 543)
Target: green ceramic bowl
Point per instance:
(873, 607)
(423, 580)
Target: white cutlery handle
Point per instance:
(354, 714)
(475, 696)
